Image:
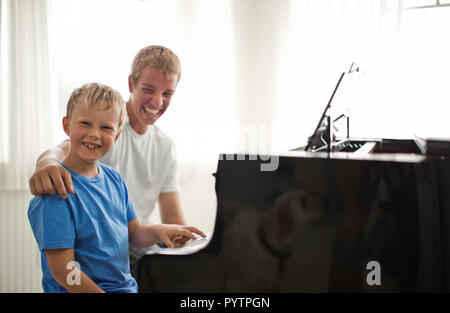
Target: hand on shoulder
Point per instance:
(50, 178)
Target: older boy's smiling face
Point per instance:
(92, 133)
(150, 97)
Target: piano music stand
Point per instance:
(323, 136)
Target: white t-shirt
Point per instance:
(148, 166)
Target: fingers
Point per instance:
(51, 180)
(185, 233)
(61, 179)
(195, 230)
(33, 188)
(47, 185)
(182, 241)
(67, 180)
(176, 236)
(39, 187)
(179, 241)
(166, 240)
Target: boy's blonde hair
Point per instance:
(158, 57)
(98, 96)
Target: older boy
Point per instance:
(93, 226)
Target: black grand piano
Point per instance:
(338, 215)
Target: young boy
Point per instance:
(84, 239)
(143, 154)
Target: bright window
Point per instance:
(425, 68)
(95, 41)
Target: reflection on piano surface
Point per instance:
(318, 221)
(315, 223)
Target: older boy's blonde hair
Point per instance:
(158, 57)
(97, 96)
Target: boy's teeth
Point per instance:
(91, 146)
(154, 112)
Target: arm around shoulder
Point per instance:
(50, 177)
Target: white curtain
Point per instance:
(425, 66)
(203, 110)
(27, 119)
(256, 73)
(320, 41)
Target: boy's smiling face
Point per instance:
(150, 96)
(92, 133)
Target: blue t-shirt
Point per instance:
(93, 222)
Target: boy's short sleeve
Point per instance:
(131, 213)
(52, 223)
